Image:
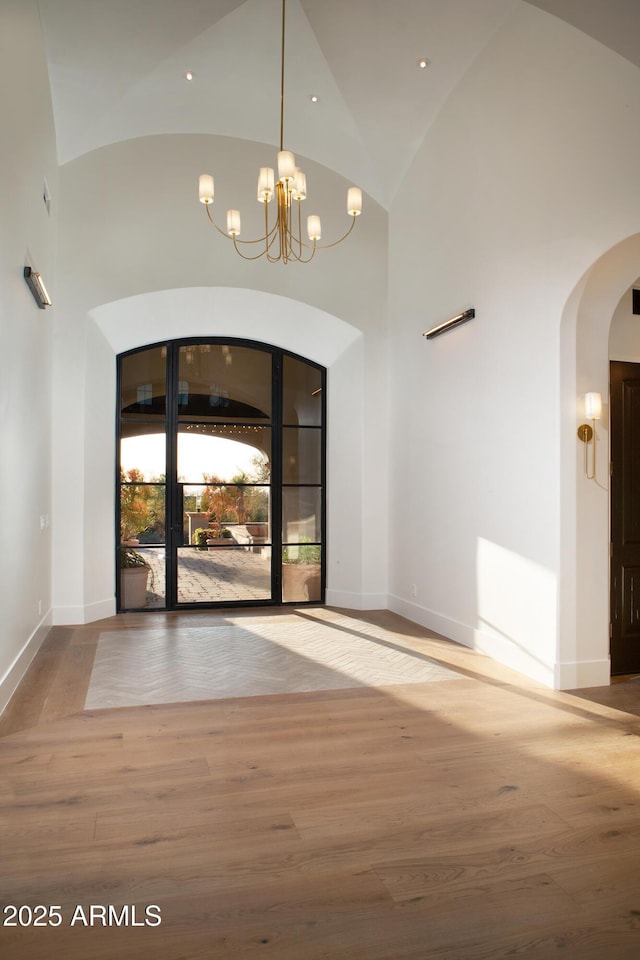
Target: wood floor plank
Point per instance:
(477, 819)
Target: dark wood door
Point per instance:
(625, 518)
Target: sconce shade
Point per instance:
(593, 406)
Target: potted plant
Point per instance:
(218, 536)
(301, 572)
(134, 574)
(200, 537)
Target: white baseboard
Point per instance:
(85, 614)
(99, 610)
(583, 673)
(558, 676)
(10, 681)
(451, 629)
(356, 601)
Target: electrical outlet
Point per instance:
(414, 590)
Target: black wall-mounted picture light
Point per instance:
(37, 287)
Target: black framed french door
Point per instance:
(220, 476)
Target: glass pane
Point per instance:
(225, 511)
(301, 574)
(221, 451)
(142, 513)
(143, 449)
(301, 393)
(142, 578)
(143, 383)
(223, 382)
(301, 520)
(223, 574)
(301, 455)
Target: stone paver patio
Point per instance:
(240, 572)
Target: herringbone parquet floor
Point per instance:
(240, 657)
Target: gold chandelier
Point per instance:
(282, 239)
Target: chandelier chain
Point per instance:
(284, 2)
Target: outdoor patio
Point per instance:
(221, 574)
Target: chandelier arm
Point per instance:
(290, 240)
(299, 238)
(275, 233)
(301, 259)
(327, 246)
(298, 258)
(269, 237)
(270, 256)
(266, 228)
(219, 229)
(244, 255)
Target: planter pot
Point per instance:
(220, 542)
(300, 582)
(259, 533)
(258, 530)
(133, 587)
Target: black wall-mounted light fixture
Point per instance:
(448, 324)
(35, 283)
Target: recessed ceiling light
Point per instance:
(188, 75)
(423, 63)
(314, 97)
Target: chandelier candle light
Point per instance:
(282, 240)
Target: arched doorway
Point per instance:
(220, 475)
(584, 655)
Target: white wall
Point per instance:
(140, 263)
(525, 180)
(27, 157)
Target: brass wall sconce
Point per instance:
(36, 285)
(448, 324)
(587, 433)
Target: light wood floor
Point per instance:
(472, 819)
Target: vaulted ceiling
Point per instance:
(117, 70)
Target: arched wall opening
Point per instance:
(85, 577)
(583, 630)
